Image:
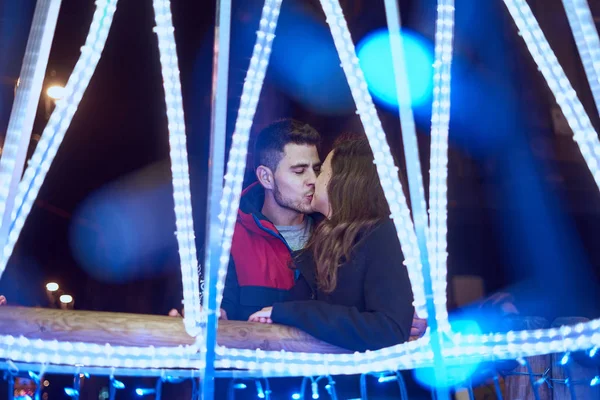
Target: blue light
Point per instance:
(375, 57)
(144, 392)
(296, 396)
(259, 390)
(595, 381)
(240, 386)
(118, 384)
(389, 378)
(71, 392)
(34, 376)
(565, 359)
(315, 396)
(456, 373)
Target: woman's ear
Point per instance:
(265, 177)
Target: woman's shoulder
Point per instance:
(382, 233)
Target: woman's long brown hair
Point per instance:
(357, 202)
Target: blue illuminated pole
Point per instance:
(215, 187)
(415, 183)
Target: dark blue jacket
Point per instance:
(371, 306)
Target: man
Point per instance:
(274, 218)
(274, 221)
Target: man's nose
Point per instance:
(312, 178)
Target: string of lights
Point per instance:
(585, 33)
(60, 120)
(387, 170)
(236, 165)
(438, 166)
(20, 124)
(179, 163)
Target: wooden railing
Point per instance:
(149, 330)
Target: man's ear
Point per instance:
(265, 177)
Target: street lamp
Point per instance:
(66, 302)
(51, 293)
(55, 92)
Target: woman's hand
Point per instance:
(2, 301)
(263, 316)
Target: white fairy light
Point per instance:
(179, 164)
(438, 185)
(55, 352)
(236, 164)
(583, 132)
(585, 33)
(411, 149)
(385, 164)
(60, 120)
(24, 109)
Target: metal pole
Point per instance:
(215, 187)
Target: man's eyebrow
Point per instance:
(305, 165)
(301, 165)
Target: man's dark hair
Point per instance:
(268, 150)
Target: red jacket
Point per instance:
(259, 272)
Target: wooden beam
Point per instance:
(120, 329)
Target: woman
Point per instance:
(353, 290)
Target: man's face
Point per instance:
(295, 176)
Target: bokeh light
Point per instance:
(375, 57)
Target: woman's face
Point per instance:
(320, 201)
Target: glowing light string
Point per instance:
(179, 164)
(388, 172)
(236, 165)
(584, 134)
(438, 174)
(20, 124)
(214, 230)
(435, 300)
(409, 138)
(588, 44)
(60, 120)
(22, 349)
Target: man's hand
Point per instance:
(175, 313)
(2, 300)
(418, 328)
(263, 316)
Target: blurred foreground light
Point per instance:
(52, 286)
(66, 298)
(55, 92)
(375, 55)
